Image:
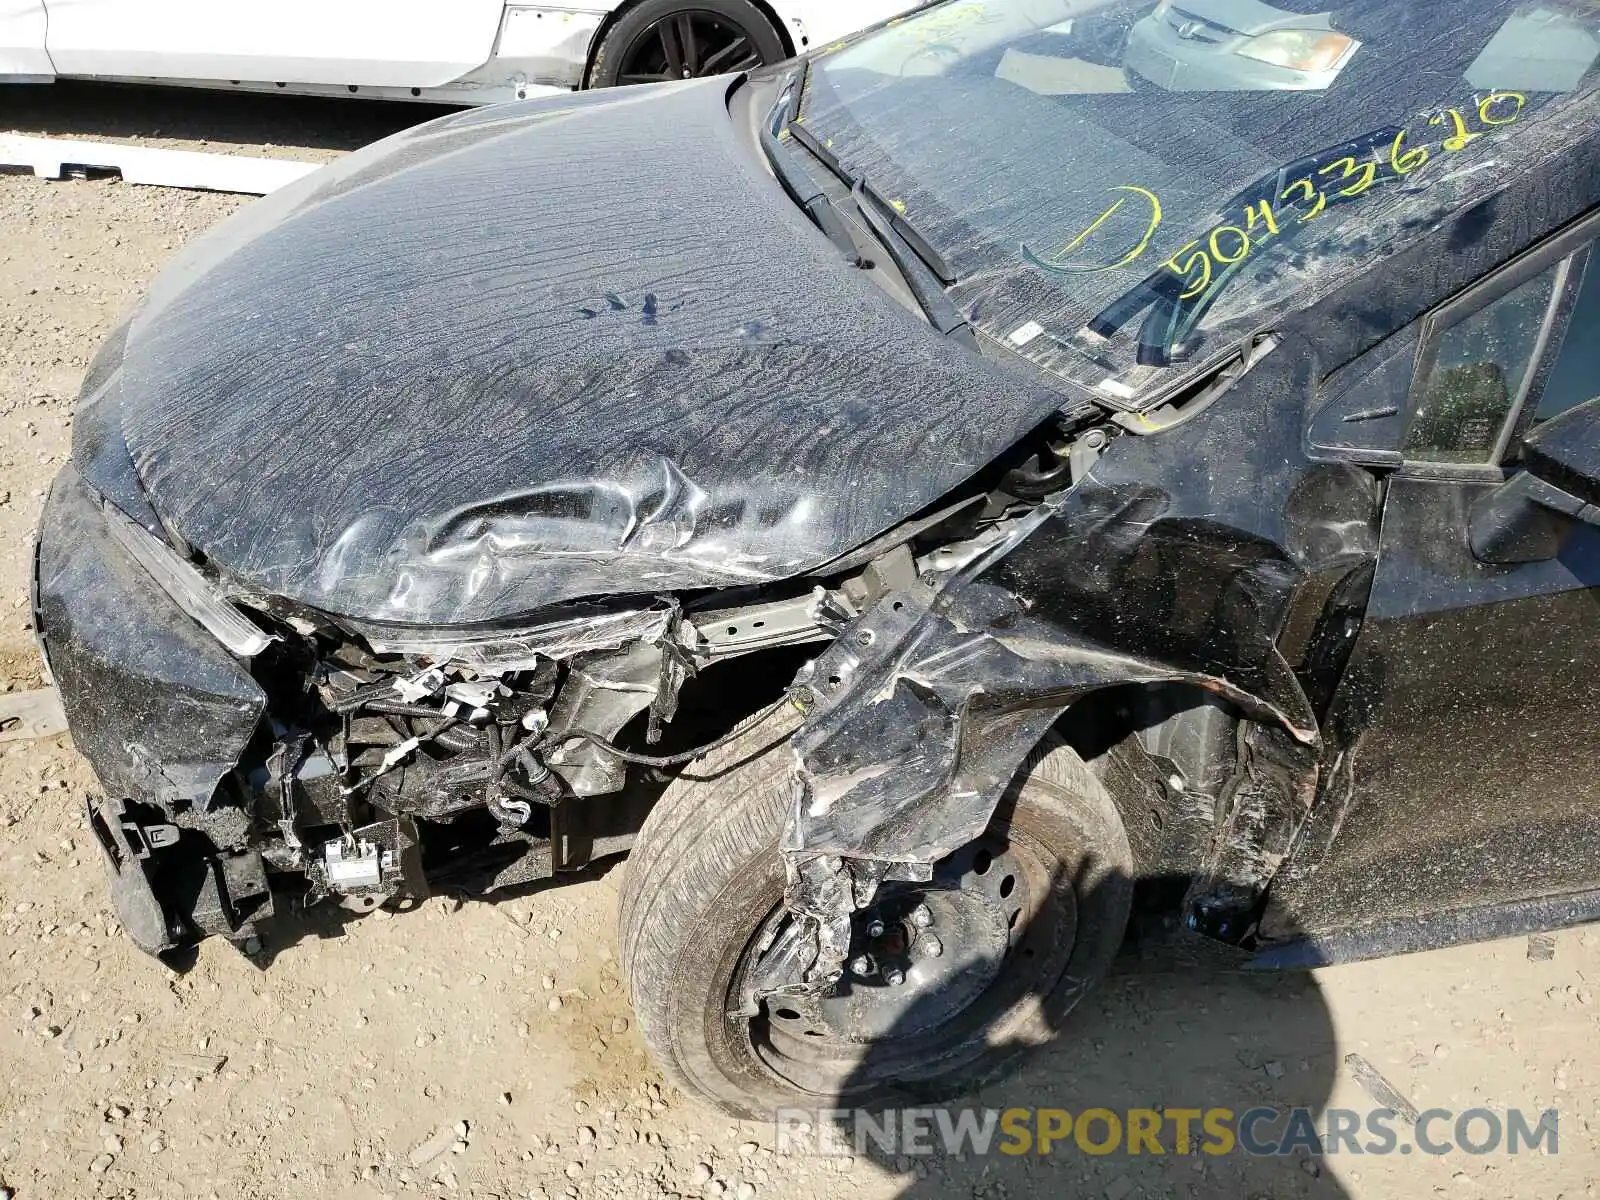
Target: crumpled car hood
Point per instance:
(528, 354)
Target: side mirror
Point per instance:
(1527, 518)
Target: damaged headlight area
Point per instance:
(187, 587)
(258, 756)
(163, 711)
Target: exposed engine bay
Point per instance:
(392, 762)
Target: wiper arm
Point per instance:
(1170, 316)
(804, 189)
(924, 269)
(926, 286)
(931, 258)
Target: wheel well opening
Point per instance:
(1166, 753)
(789, 48)
(622, 10)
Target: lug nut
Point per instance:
(861, 965)
(894, 976)
(932, 946)
(921, 917)
(875, 929)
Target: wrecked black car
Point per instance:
(932, 502)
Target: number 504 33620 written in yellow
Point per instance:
(1300, 201)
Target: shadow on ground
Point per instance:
(111, 110)
(327, 921)
(1167, 1031)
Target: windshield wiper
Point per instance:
(908, 232)
(924, 282)
(808, 194)
(800, 184)
(923, 268)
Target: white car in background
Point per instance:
(446, 51)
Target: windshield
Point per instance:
(1124, 190)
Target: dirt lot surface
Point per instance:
(485, 1050)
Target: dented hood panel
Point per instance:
(533, 353)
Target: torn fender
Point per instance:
(159, 708)
(906, 750)
(921, 713)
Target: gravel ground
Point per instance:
(485, 1050)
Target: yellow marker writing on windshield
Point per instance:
(1261, 211)
(1143, 243)
(1403, 162)
(1368, 171)
(1197, 263)
(1494, 98)
(1311, 193)
(1459, 139)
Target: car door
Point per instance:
(22, 53)
(1471, 703)
(373, 43)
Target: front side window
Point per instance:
(1575, 375)
(1467, 387)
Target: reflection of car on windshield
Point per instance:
(1325, 128)
(927, 502)
(1220, 45)
(1248, 45)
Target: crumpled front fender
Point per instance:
(923, 710)
(905, 756)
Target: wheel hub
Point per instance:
(921, 954)
(912, 976)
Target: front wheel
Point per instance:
(662, 40)
(945, 981)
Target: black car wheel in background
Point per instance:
(662, 40)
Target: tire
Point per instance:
(633, 49)
(705, 881)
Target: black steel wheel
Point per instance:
(662, 40)
(946, 979)
(930, 963)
